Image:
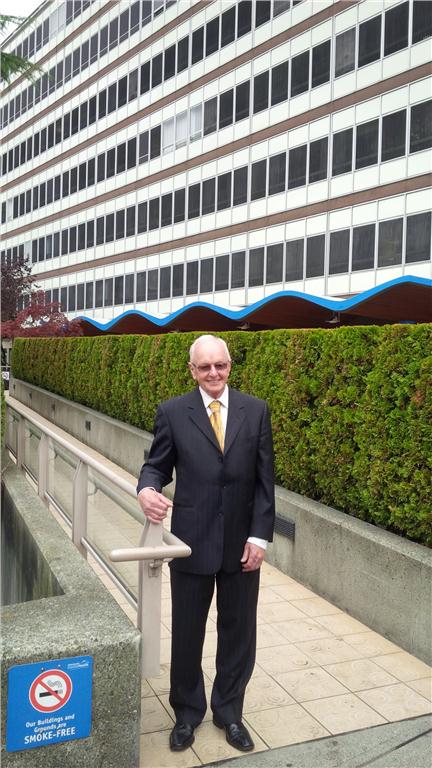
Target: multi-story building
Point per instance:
(219, 151)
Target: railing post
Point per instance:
(79, 507)
(20, 453)
(149, 598)
(43, 465)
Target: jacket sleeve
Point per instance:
(263, 515)
(157, 471)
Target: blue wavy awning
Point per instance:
(403, 300)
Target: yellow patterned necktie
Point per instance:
(216, 422)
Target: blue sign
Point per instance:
(48, 702)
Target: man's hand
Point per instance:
(253, 555)
(154, 505)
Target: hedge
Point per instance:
(351, 407)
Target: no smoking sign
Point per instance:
(50, 691)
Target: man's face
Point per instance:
(210, 367)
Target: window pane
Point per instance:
(339, 252)
(90, 234)
(169, 62)
(367, 144)
(182, 54)
(197, 45)
(99, 293)
(110, 162)
(300, 73)
(181, 129)
(142, 217)
(222, 273)
(226, 108)
(210, 116)
(131, 153)
(342, 152)
(280, 6)
(109, 228)
(421, 126)
(261, 92)
(393, 141)
(112, 98)
(71, 298)
(294, 260)
(154, 213)
(130, 221)
(196, 122)
(168, 135)
(396, 29)
(422, 20)
(345, 52)
(279, 83)
(141, 291)
(191, 277)
(155, 142)
(224, 191)
(122, 91)
(256, 266)
(369, 41)
(89, 296)
(318, 151)
(277, 174)
(321, 64)
(238, 269)
(208, 196)
(179, 205)
(165, 283)
(242, 100)
(274, 265)
(244, 18)
(315, 256)
(212, 36)
(167, 209)
(418, 238)
(297, 167)
(206, 275)
(143, 147)
(228, 26)
(152, 285)
(145, 77)
(157, 70)
(108, 292)
(390, 242)
(178, 280)
(129, 289)
(121, 158)
(240, 185)
(120, 224)
(262, 12)
(194, 201)
(259, 173)
(118, 290)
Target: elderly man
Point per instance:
(219, 441)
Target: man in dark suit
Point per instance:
(219, 441)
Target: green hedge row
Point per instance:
(351, 407)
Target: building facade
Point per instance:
(173, 152)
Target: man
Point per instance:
(219, 442)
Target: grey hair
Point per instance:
(203, 339)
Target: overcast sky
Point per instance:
(16, 7)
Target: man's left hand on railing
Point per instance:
(154, 504)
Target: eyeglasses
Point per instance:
(219, 367)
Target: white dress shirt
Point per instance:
(224, 400)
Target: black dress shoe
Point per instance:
(237, 735)
(181, 737)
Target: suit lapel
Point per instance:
(197, 413)
(236, 416)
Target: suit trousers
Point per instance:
(237, 597)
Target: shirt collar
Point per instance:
(207, 399)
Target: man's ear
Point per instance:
(191, 368)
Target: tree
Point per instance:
(40, 318)
(10, 64)
(15, 282)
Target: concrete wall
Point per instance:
(84, 620)
(379, 578)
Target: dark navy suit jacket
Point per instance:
(220, 498)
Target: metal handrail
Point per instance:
(156, 546)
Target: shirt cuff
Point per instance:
(259, 542)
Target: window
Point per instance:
(91, 172)
(169, 62)
(390, 242)
(228, 26)
(315, 256)
(367, 144)
(179, 205)
(240, 185)
(89, 296)
(166, 214)
(224, 191)
(345, 52)
(242, 100)
(318, 151)
(422, 20)
(181, 129)
(274, 263)
(130, 221)
(99, 293)
(141, 291)
(339, 252)
(208, 196)
(145, 77)
(238, 269)
(165, 283)
(90, 234)
(342, 152)
(244, 18)
(129, 288)
(261, 92)
(72, 239)
(396, 29)
(110, 162)
(71, 298)
(183, 54)
(297, 167)
(122, 91)
(100, 230)
(300, 73)
(206, 275)
(222, 273)
(156, 70)
(178, 280)
(100, 167)
(262, 12)
(133, 85)
(74, 127)
(196, 122)
(63, 299)
(113, 33)
(226, 108)
(321, 64)
(155, 142)
(256, 267)
(82, 176)
(142, 217)
(120, 224)
(102, 98)
(393, 140)
(194, 198)
(168, 135)
(131, 153)
(118, 289)
(259, 177)
(294, 260)
(112, 98)
(109, 228)
(280, 6)
(154, 214)
(279, 83)
(369, 41)
(108, 292)
(197, 45)
(277, 174)
(212, 36)
(80, 296)
(121, 158)
(210, 116)
(418, 238)
(124, 25)
(143, 147)
(191, 277)
(421, 126)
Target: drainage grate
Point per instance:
(285, 527)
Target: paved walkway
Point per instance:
(319, 674)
